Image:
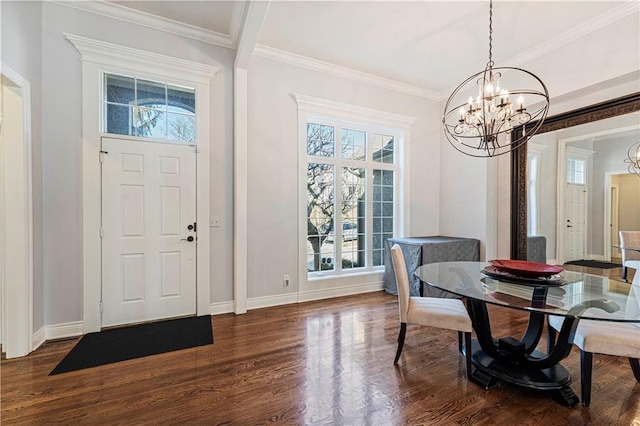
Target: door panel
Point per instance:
(575, 196)
(148, 201)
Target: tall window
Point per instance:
(150, 109)
(534, 155)
(351, 187)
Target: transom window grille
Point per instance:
(351, 193)
(576, 171)
(148, 109)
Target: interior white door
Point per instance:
(148, 205)
(575, 221)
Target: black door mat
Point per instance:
(594, 264)
(137, 341)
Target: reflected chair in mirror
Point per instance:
(630, 258)
(603, 337)
(450, 314)
(536, 249)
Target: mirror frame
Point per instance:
(600, 111)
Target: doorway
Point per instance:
(575, 221)
(16, 221)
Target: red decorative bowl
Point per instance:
(526, 268)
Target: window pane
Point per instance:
(181, 99)
(119, 89)
(146, 111)
(320, 140)
(353, 214)
(320, 211)
(383, 218)
(382, 146)
(182, 127)
(353, 145)
(149, 123)
(118, 119)
(151, 94)
(575, 171)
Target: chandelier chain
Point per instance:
(490, 30)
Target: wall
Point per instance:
(22, 51)
(629, 219)
(62, 125)
(608, 158)
(273, 164)
(599, 66)
(547, 189)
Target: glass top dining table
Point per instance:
(519, 360)
(575, 294)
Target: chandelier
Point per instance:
(480, 118)
(633, 159)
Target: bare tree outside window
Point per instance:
(321, 186)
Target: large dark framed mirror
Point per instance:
(519, 160)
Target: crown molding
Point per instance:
(575, 33)
(106, 54)
(321, 106)
(123, 13)
(339, 71)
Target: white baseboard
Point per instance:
(288, 299)
(268, 301)
(340, 291)
(221, 308)
(62, 331)
(38, 338)
(74, 329)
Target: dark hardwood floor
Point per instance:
(328, 362)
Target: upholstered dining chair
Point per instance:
(603, 337)
(630, 258)
(450, 314)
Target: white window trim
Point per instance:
(99, 57)
(400, 125)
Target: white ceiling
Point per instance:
(433, 45)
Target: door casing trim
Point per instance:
(99, 57)
(17, 292)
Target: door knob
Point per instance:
(189, 238)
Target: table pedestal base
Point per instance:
(555, 379)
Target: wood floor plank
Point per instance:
(326, 362)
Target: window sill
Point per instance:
(350, 276)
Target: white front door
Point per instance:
(148, 207)
(575, 221)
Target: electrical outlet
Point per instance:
(285, 280)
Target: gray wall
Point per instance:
(576, 74)
(62, 125)
(273, 209)
(22, 51)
